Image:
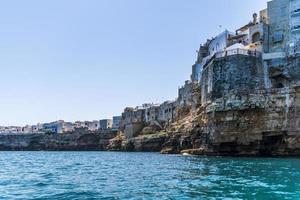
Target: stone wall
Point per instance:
(186, 94)
(237, 72)
(133, 129)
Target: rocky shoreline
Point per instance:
(261, 124)
(266, 123)
(79, 140)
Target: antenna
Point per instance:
(221, 28)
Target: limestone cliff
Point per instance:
(80, 139)
(149, 143)
(266, 123)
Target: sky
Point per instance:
(89, 59)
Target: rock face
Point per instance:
(78, 140)
(240, 113)
(238, 72)
(148, 143)
(263, 124)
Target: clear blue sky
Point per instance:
(88, 59)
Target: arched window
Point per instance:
(256, 37)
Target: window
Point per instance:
(296, 11)
(297, 27)
(256, 37)
(278, 36)
(283, 11)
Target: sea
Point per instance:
(118, 175)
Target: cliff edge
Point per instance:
(263, 124)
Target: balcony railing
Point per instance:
(238, 52)
(231, 52)
(296, 28)
(295, 12)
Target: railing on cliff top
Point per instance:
(222, 54)
(238, 52)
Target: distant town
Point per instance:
(62, 126)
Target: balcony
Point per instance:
(238, 52)
(295, 28)
(295, 12)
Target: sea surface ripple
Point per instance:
(111, 175)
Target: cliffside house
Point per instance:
(53, 127)
(105, 124)
(116, 123)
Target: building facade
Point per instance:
(116, 123)
(185, 94)
(282, 58)
(105, 124)
(68, 127)
(167, 113)
(53, 127)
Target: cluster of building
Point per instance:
(61, 126)
(135, 119)
(260, 55)
(270, 43)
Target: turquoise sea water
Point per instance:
(109, 175)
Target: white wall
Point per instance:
(219, 43)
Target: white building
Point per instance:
(219, 43)
(207, 51)
(54, 127)
(68, 127)
(93, 125)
